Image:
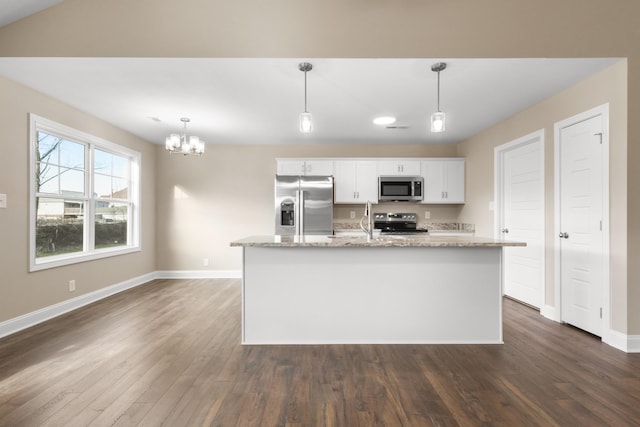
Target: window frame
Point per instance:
(91, 142)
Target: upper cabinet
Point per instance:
(393, 167)
(305, 167)
(356, 181)
(443, 180)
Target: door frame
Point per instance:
(601, 110)
(536, 137)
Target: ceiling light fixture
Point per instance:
(438, 118)
(306, 123)
(183, 144)
(384, 120)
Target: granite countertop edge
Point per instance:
(381, 241)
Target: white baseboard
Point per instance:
(550, 312)
(624, 342)
(633, 344)
(19, 323)
(199, 274)
(618, 340)
(30, 319)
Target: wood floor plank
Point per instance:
(168, 354)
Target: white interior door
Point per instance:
(580, 237)
(520, 204)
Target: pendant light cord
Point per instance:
(438, 90)
(305, 92)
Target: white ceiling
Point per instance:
(258, 100)
(13, 10)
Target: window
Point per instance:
(84, 196)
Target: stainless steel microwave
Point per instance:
(400, 188)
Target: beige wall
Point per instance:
(608, 86)
(358, 28)
(22, 292)
(206, 202)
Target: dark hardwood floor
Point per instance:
(168, 353)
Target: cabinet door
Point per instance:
(319, 167)
(432, 172)
(291, 167)
(399, 167)
(345, 181)
(367, 182)
(454, 181)
(443, 181)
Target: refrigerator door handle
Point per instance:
(300, 206)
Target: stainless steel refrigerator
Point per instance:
(304, 205)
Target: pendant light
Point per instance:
(438, 118)
(306, 123)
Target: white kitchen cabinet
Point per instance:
(396, 167)
(305, 167)
(356, 181)
(443, 180)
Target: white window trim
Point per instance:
(37, 123)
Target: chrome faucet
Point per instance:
(367, 214)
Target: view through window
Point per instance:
(83, 197)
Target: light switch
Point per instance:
(3, 201)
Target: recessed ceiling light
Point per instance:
(384, 120)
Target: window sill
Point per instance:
(68, 259)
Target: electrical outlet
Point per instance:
(352, 214)
(72, 285)
(205, 262)
(3, 201)
(427, 215)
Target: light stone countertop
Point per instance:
(379, 241)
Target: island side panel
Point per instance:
(319, 295)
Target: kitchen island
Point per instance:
(357, 290)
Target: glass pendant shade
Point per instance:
(172, 142)
(438, 122)
(306, 123)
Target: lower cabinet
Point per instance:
(356, 181)
(443, 181)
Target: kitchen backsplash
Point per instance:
(429, 225)
(437, 213)
(440, 217)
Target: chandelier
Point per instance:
(184, 144)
